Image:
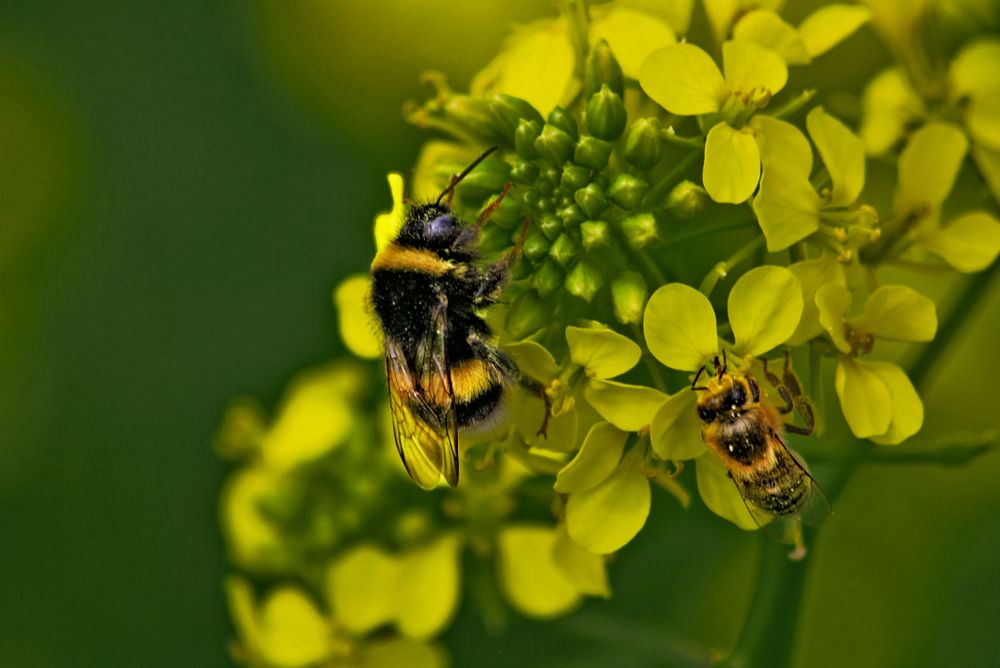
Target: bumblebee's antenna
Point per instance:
(455, 180)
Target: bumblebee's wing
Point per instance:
(422, 408)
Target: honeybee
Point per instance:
(744, 429)
(444, 369)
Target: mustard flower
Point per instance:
(788, 207)
(818, 33)
(765, 308)
(684, 80)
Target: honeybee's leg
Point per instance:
(802, 405)
(782, 390)
(507, 368)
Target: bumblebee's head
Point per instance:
(432, 226)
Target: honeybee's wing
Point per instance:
(422, 405)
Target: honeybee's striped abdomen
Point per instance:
(780, 489)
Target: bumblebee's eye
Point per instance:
(441, 227)
(706, 414)
(736, 396)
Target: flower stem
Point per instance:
(722, 269)
(792, 107)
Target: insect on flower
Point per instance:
(444, 370)
(745, 431)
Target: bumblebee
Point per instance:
(444, 369)
(744, 429)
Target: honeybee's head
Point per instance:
(727, 394)
(432, 226)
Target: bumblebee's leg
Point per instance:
(493, 206)
(504, 365)
(495, 276)
(782, 390)
(802, 405)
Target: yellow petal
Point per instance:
(361, 588)
(907, 408)
(928, 167)
(427, 588)
(603, 352)
(899, 313)
(357, 329)
(864, 398)
(787, 207)
(675, 432)
(585, 570)
(975, 71)
(765, 306)
(890, 104)
(767, 29)
(720, 494)
(253, 540)
(982, 119)
(833, 301)
(631, 34)
(394, 652)
(683, 79)
(782, 142)
(842, 153)
(828, 26)
(679, 327)
(732, 164)
(969, 243)
(594, 462)
(292, 631)
(812, 275)
(988, 162)
(533, 581)
(604, 518)
(628, 407)
(536, 65)
(748, 66)
(387, 224)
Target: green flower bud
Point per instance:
(545, 204)
(547, 278)
(606, 114)
(601, 68)
(592, 152)
(564, 250)
(473, 115)
(526, 315)
(644, 143)
(536, 246)
(562, 120)
(574, 177)
(571, 215)
(594, 234)
(524, 138)
(627, 191)
(554, 144)
(584, 280)
(628, 297)
(550, 225)
(551, 174)
(524, 172)
(591, 200)
(686, 199)
(640, 230)
(508, 111)
(530, 198)
(520, 271)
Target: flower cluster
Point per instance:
(680, 210)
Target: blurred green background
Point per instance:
(181, 185)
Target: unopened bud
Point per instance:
(601, 68)
(571, 215)
(644, 143)
(547, 278)
(562, 120)
(592, 152)
(627, 191)
(524, 172)
(574, 177)
(584, 280)
(536, 246)
(524, 138)
(606, 114)
(628, 297)
(594, 234)
(473, 115)
(550, 225)
(564, 250)
(508, 111)
(685, 200)
(591, 200)
(554, 144)
(526, 315)
(639, 230)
